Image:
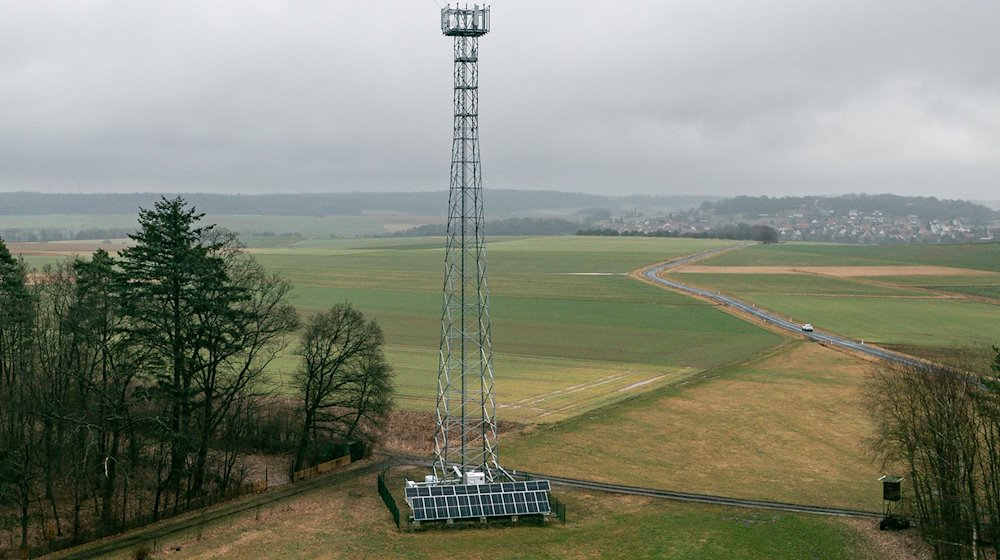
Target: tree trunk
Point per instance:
(108, 488)
(25, 518)
(300, 455)
(201, 459)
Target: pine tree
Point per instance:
(175, 289)
(17, 460)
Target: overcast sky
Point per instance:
(612, 97)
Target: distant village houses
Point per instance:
(823, 225)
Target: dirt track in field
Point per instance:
(838, 271)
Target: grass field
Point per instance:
(979, 256)
(309, 226)
(787, 426)
(979, 286)
(923, 308)
(793, 284)
(929, 322)
(349, 521)
(617, 380)
(572, 332)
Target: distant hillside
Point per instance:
(887, 204)
(499, 203)
(856, 218)
(510, 226)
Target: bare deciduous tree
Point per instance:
(942, 424)
(343, 379)
(240, 345)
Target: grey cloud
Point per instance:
(760, 97)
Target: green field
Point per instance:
(69, 221)
(571, 331)
(618, 380)
(309, 226)
(921, 309)
(980, 286)
(792, 284)
(786, 426)
(979, 256)
(929, 322)
(39, 261)
(569, 341)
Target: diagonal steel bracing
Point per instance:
(466, 431)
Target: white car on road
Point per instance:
(807, 327)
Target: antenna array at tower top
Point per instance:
(465, 22)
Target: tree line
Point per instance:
(33, 235)
(509, 226)
(941, 427)
(134, 387)
(298, 204)
(741, 231)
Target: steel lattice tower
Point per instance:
(466, 431)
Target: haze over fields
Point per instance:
(627, 97)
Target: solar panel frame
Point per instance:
(472, 501)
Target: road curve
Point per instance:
(653, 275)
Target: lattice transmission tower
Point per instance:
(468, 483)
(466, 431)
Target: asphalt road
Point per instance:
(653, 275)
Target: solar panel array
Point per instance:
(462, 501)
